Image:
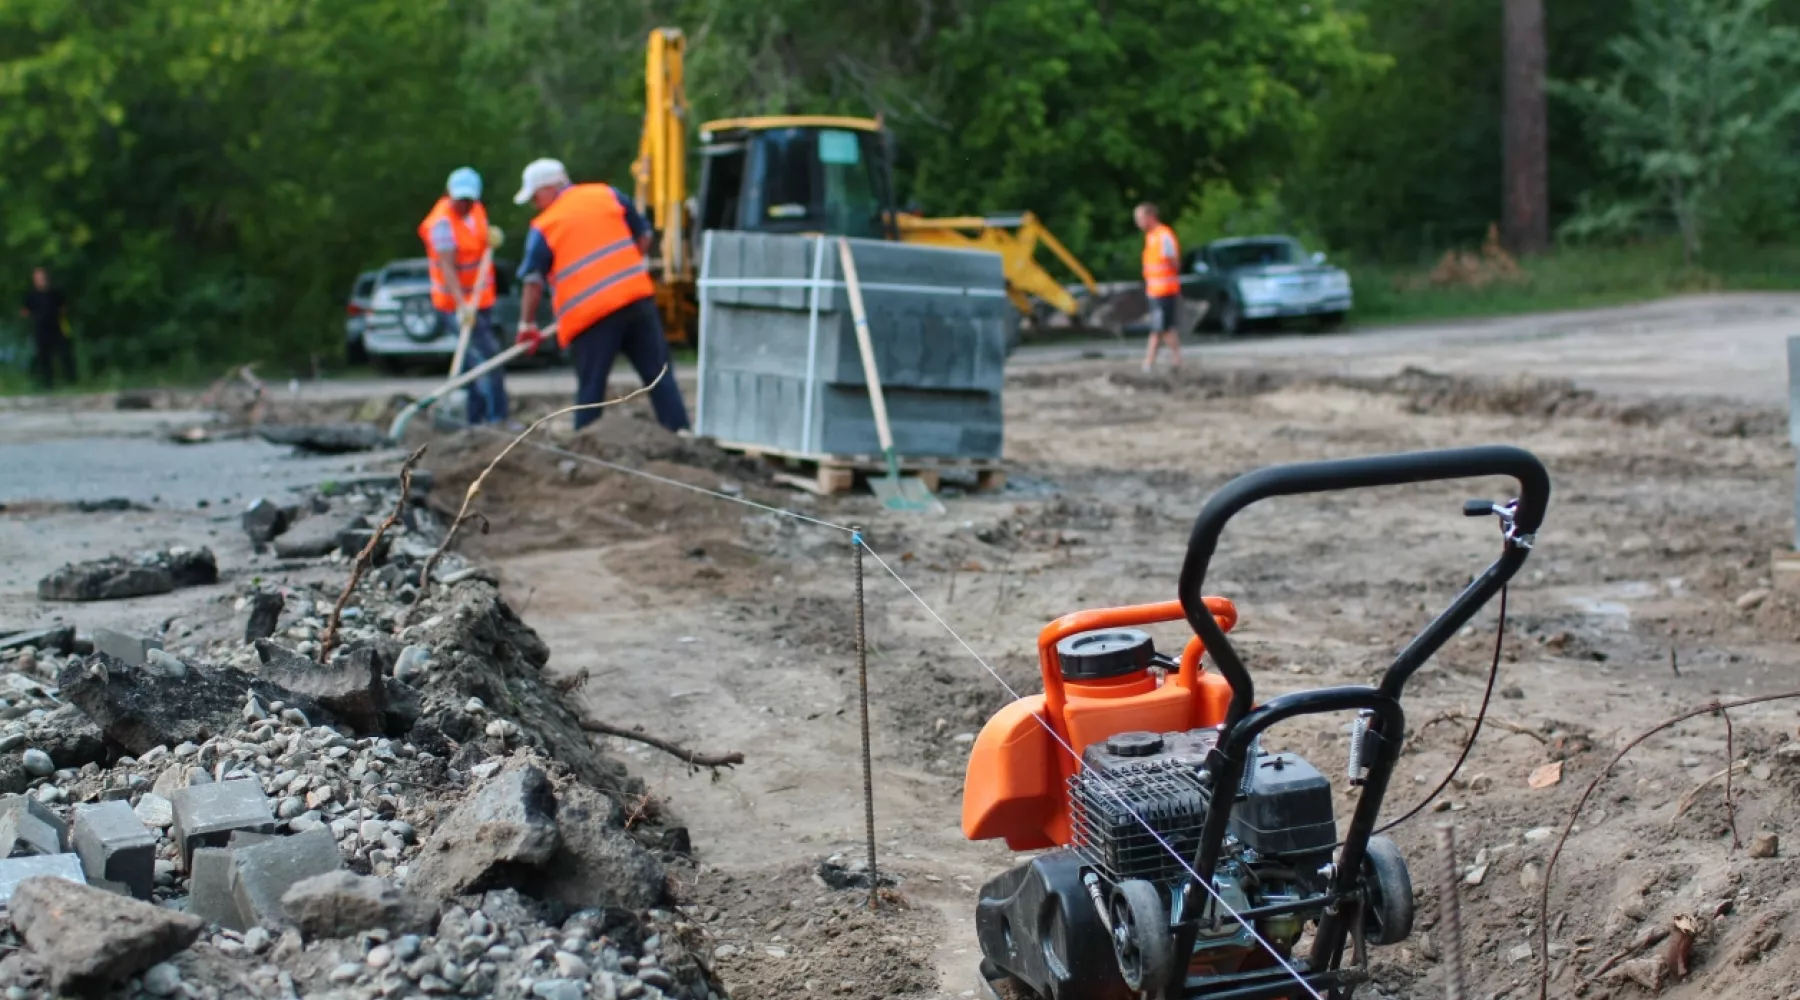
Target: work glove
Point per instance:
(465, 316)
(531, 337)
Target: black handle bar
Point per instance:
(1358, 473)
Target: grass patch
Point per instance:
(1568, 278)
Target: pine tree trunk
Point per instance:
(1526, 183)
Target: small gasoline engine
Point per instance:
(1183, 861)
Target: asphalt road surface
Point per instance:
(1728, 345)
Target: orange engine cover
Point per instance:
(1019, 768)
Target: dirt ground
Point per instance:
(727, 627)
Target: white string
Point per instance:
(1104, 781)
(858, 539)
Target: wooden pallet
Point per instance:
(828, 475)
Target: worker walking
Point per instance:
(1162, 284)
(590, 244)
(462, 285)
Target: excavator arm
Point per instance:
(1016, 239)
(661, 166)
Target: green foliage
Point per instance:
(1079, 110)
(206, 177)
(1217, 210)
(1698, 83)
(1575, 277)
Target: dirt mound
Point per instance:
(550, 498)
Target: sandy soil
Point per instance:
(726, 627)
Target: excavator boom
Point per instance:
(1015, 238)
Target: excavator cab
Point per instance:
(810, 174)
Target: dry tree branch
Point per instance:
(463, 515)
(675, 750)
(1458, 715)
(1543, 914)
(361, 563)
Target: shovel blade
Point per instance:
(904, 493)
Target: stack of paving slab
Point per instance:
(780, 370)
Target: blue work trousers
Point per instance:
(637, 330)
(487, 394)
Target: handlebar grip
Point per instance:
(1358, 473)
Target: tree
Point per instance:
(1699, 85)
(1527, 129)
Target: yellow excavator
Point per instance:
(800, 174)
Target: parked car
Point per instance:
(402, 326)
(1264, 278)
(356, 313)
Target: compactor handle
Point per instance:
(1521, 522)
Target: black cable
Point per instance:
(1469, 744)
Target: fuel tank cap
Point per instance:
(1114, 652)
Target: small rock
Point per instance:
(154, 811)
(380, 957)
(1538, 834)
(1477, 873)
(557, 989)
(1519, 953)
(570, 966)
(38, 763)
(346, 973)
(406, 947)
(257, 940)
(1750, 600)
(341, 904)
(1765, 845)
(162, 980)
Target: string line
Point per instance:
(858, 538)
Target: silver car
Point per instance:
(356, 315)
(402, 325)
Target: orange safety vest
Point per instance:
(471, 250)
(1161, 273)
(596, 267)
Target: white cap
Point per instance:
(540, 174)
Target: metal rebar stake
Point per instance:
(862, 681)
(1450, 915)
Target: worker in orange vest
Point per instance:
(1162, 284)
(590, 244)
(462, 285)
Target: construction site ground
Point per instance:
(727, 627)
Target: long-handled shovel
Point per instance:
(894, 492)
(467, 321)
(430, 399)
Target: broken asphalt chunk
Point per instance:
(89, 939)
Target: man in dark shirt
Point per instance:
(47, 308)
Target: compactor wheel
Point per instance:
(1141, 939)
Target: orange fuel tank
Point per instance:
(1019, 768)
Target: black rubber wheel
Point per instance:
(1141, 939)
(355, 353)
(1388, 914)
(1231, 317)
(1330, 321)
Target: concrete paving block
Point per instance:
(132, 649)
(16, 870)
(263, 872)
(114, 845)
(209, 888)
(28, 827)
(206, 815)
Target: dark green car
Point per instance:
(1254, 279)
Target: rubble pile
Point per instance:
(421, 814)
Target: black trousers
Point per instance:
(53, 350)
(637, 330)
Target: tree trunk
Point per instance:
(1526, 216)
